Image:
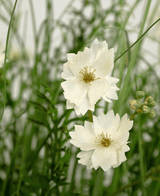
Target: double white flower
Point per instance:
(87, 78)
(103, 142)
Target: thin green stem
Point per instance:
(65, 10)
(141, 154)
(72, 183)
(123, 27)
(90, 116)
(137, 40)
(133, 115)
(6, 50)
(33, 19)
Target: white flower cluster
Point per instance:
(104, 141)
(1, 55)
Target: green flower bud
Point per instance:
(150, 101)
(145, 109)
(140, 94)
(139, 103)
(152, 104)
(151, 113)
(134, 104)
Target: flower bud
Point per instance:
(152, 104)
(151, 113)
(134, 104)
(149, 99)
(145, 109)
(140, 94)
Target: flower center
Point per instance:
(104, 140)
(87, 75)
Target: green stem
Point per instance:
(141, 155)
(90, 116)
(133, 115)
(136, 40)
(72, 183)
(6, 50)
(98, 183)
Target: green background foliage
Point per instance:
(38, 159)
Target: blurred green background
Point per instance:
(36, 158)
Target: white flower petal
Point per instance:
(125, 148)
(106, 120)
(109, 156)
(82, 138)
(104, 157)
(113, 126)
(85, 158)
(69, 105)
(74, 90)
(104, 62)
(89, 126)
(94, 49)
(66, 74)
(106, 99)
(112, 80)
(70, 56)
(97, 127)
(121, 155)
(122, 134)
(111, 95)
(84, 106)
(82, 60)
(97, 89)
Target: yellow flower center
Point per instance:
(104, 140)
(87, 75)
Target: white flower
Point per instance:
(87, 79)
(1, 55)
(103, 142)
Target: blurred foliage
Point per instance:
(35, 155)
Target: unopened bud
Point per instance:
(151, 113)
(145, 109)
(149, 100)
(140, 94)
(134, 104)
(152, 104)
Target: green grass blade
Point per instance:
(5, 59)
(126, 88)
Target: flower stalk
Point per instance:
(90, 116)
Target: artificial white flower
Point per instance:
(103, 142)
(87, 78)
(1, 55)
